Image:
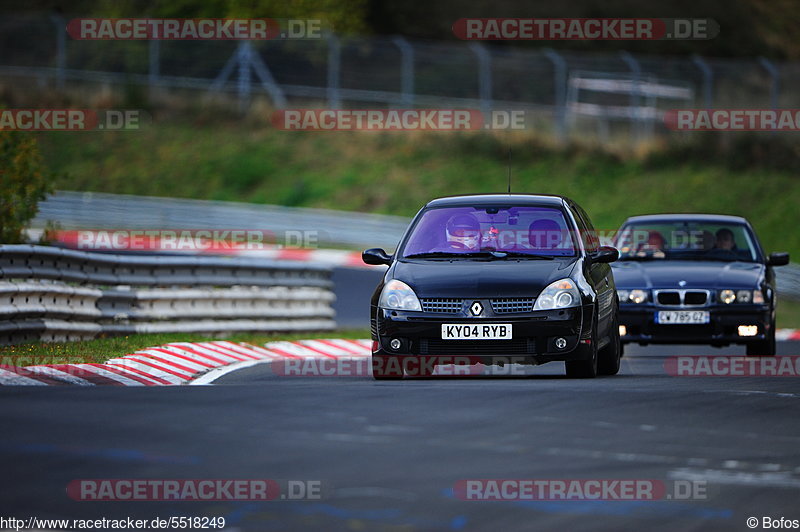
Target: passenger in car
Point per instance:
(544, 234)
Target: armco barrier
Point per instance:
(55, 294)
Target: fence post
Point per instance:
(636, 70)
(484, 76)
(61, 48)
(153, 53)
(560, 84)
(244, 86)
(772, 70)
(708, 79)
(334, 71)
(406, 70)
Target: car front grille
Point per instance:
(435, 346)
(682, 298)
(511, 305)
(505, 305)
(442, 305)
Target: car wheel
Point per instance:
(386, 367)
(587, 368)
(608, 357)
(763, 348)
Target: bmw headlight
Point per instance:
(740, 296)
(560, 294)
(727, 296)
(632, 296)
(397, 295)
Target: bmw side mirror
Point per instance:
(778, 259)
(376, 257)
(605, 254)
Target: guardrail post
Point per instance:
(708, 79)
(484, 76)
(560, 92)
(334, 71)
(406, 71)
(636, 71)
(61, 48)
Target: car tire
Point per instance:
(586, 368)
(386, 368)
(608, 358)
(763, 348)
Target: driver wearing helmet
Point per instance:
(463, 232)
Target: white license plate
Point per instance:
(681, 317)
(484, 331)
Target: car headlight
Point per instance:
(727, 296)
(398, 295)
(632, 296)
(638, 296)
(741, 296)
(744, 296)
(560, 294)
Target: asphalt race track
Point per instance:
(388, 454)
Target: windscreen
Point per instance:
(684, 240)
(521, 231)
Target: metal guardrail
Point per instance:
(53, 294)
(788, 281)
(89, 210)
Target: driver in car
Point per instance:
(725, 240)
(463, 232)
(654, 247)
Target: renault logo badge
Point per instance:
(476, 308)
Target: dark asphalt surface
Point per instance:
(388, 453)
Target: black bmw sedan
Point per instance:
(696, 279)
(496, 279)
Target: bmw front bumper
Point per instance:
(722, 328)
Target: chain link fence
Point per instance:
(377, 71)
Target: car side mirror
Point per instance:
(376, 257)
(605, 254)
(778, 259)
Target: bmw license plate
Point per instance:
(682, 317)
(467, 331)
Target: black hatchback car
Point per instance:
(696, 279)
(495, 279)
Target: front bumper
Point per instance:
(722, 329)
(533, 336)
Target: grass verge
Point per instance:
(396, 173)
(102, 349)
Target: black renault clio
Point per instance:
(496, 279)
